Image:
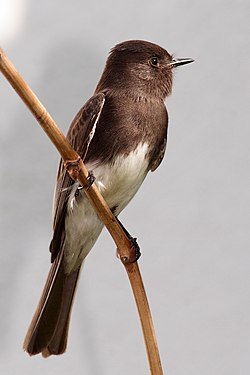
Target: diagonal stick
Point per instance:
(122, 242)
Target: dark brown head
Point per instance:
(140, 69)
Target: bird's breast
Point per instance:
(120, 179)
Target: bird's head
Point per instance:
(141, 68)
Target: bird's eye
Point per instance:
(154, 61)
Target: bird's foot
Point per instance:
(135, 252)
(90, 181)
(72, 167)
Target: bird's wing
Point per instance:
(159, 157)
(80, 134)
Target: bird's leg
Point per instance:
(90, 181)
(72, 167)
(133, 241)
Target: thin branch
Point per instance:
(122, 242)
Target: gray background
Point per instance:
(191, 216)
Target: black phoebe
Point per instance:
(121, 134)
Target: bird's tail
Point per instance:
(48, 331)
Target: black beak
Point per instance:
(177, 62)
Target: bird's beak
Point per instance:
(177, 62)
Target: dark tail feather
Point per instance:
(48, 331)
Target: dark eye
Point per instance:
(154, 61)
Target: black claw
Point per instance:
(90, 179)
(136, 248)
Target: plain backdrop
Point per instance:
(191, 217)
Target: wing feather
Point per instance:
(80, 135)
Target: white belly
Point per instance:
(118, 183)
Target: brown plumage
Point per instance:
(121, 134)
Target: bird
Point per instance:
(121, 135)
